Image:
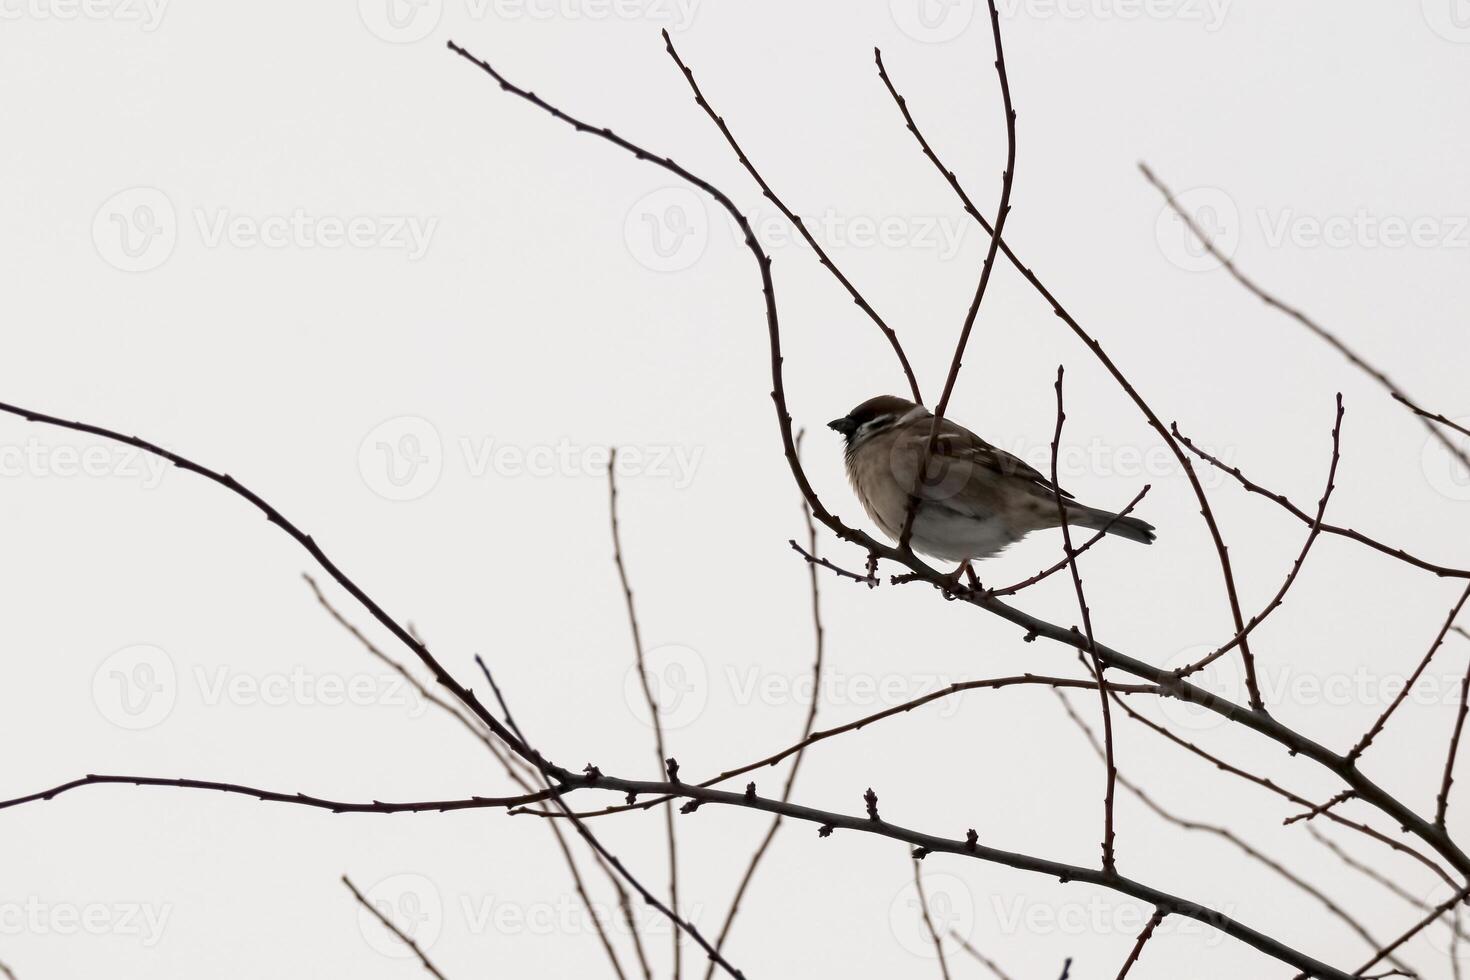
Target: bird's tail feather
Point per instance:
(1099, 520)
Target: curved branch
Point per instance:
(796, 220)
(1226, 569)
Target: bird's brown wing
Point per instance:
(957, 442)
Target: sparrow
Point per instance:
(978, 499)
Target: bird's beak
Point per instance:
(843, 425)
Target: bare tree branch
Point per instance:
(985, 961)
(796, 220)
(1443, 571)
(297, 799)
(654, 709)
(928, 919)
(1002, 212)
(819, 643)
(388, 924)
(1301, 558)
(1143, 938)
(1353, 358)
(1226, 570)
(1224, 833)
(1372, 733)
(1109, 862)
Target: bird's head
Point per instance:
(872, 417)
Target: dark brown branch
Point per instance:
(1256, 720)
(1002, 212)
(1250, 486)
(1301, 558)
(1224, 833)
(509, 763)
(1284, 793)
(1143, 938)
(298, 799)
(1413, 931)
(1372, 733)
(1226, 570)
(868, 579)
(1048, 572)
(595, 778)
(964, 847)
(1449, 763)
(1296, 314)
(1098, 670)
(1432, 416)
(388, 924)
(819, 644)
(852, 726)
(1378, 877)
(1320, 808)
(6, 972)
(928, 919)
(655, 717)
(796, 220)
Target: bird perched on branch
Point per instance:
(977, 499)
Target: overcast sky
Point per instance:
(305, 244)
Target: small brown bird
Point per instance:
(978, 499)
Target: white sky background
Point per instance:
(531, 320)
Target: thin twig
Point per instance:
(819, 644)
(1449, 763)
(1413, 931)
(1143, 938)
(984, 960)
(928, 919)
(1372, 733)
(1320, 808)
(1284, 793)
(1223, 553)
(1250, 486)
(388, 924)
(1098, 670)
(867, 579)
(852, 726)
(796, 220)
(1301, 558)
(297, 799)
(1377, 876)
(509, 763)
(1224, 833)
(654, 710)
(1353, 358)
(1002, 212)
